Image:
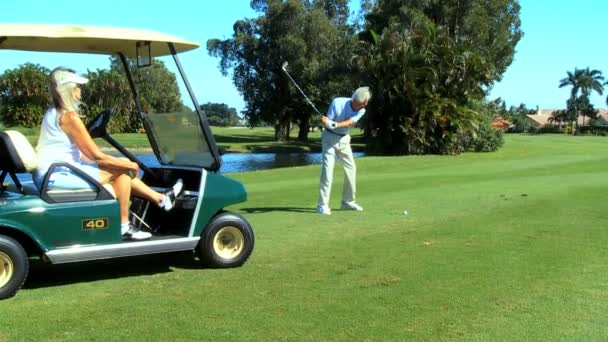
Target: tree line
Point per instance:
(430, 65)
(24, 96)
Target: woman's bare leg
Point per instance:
(140, 189)
(122, 188)
(121, 183)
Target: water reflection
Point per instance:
(244, 162)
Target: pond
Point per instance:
(244, 162)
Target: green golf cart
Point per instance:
(73, 225)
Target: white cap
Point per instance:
(64, 77)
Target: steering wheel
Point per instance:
(97, 126)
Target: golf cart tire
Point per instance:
(227, 241)
(14, 267)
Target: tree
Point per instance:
(606, 84)
(219, 114)
(560, 116)
(586, 109)
(574, 80)
(429, 66)
(489, 28)
(519, 117)
(496, 108)
(585, 81)
(156, 86)
(24, 95)
(109, 89)
(311, 35)
(591, 81)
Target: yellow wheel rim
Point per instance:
(228, 242)
(6, 269)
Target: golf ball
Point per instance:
(405, 212)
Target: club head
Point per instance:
(284, 66)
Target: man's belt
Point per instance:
(334, 133)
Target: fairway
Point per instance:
(511, 245)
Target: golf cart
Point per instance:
(72, 225)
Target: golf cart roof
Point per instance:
(87, 39)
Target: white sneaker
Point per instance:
(140, 236)
(323, 209)
(135, 234)
(170, 196)
(351, 206)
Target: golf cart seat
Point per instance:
(18, 156)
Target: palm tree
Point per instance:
(606, 84)
(591, 81)
(575, 80)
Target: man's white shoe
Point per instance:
(351, 206)
(323, 209)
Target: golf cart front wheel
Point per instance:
(227, 241)
(14, 267)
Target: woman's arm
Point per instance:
(73, 126)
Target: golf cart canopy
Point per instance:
(87, 39)
(181, 139)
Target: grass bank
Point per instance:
(500, 246)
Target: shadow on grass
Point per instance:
(286, 148)
(47, 275)
(240, 139)
(271, 209)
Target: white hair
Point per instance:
(362, 95)
(61, 91)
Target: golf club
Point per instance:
(284, 67)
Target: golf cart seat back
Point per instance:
(16, 156)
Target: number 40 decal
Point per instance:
(95, 223)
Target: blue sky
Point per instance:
(559, 35)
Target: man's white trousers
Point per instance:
(336, 147)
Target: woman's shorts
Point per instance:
(65, 178)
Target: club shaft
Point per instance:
(302, 92)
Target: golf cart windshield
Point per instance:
(179, 139)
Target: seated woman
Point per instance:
(64, 138)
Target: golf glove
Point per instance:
(331, 124)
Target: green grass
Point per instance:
(499, 246)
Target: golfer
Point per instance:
(343, 113)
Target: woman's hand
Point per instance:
(133, 169)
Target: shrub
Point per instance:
(532, 130)
(595, 130)
(487, 139)
(550, 129)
